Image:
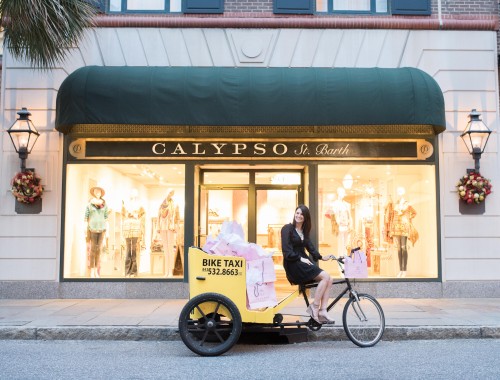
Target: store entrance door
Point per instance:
(260, 200)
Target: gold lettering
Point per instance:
(218, 146)
(284, 150)
(238, 147)
(196, 151)
(259, 149)
(178, 150)
(155, 150)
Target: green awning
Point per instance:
(249, 96)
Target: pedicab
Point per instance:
(212, 320)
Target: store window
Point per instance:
(124, 221)
(387, 210)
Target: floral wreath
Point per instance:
(27, 187)
(473, 188)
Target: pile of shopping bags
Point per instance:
(260, 274)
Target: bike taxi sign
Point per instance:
(218, 266)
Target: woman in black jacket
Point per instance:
(299, 269)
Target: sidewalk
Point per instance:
(155, 319)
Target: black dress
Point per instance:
(294, 248)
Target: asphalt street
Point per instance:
(417, 359)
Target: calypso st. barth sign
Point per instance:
(417, 149)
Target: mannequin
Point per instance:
(401, 228)
(168, 219)
(132, 232)
(342, 212)
(96, 216)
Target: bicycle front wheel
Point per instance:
(364, 320)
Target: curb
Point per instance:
(89, 333)
(134, 333)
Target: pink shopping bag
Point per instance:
(261, 294)
(356, 265)
(261, 270)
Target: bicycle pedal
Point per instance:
(328, 323)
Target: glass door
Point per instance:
(219, 206)
(275, 208)
(261, 200)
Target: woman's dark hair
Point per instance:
(306, 226)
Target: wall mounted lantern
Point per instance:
(475, 137)
(23, 135)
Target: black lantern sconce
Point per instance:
(475, 136)
(23, 135)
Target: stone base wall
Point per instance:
(180, 290)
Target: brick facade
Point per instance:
(448, 7)
(248, 6)
(465, 7)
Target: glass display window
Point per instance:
(387, 210)
(124, 221)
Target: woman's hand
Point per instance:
(327, 258)
(306, 261)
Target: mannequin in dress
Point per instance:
(168, 219)
(400, 228)
(96, 216)
(342, 212)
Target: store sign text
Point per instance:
(238, 149)
(248, 149)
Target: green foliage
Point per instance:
(41, 31)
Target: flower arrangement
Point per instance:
(473, 188)
(27, 187)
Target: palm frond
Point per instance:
(41, 31)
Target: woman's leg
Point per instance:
(317, 309)
(325, 281)
(323, 294)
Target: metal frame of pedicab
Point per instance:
(221, 280)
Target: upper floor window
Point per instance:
(148, 6)
(352, 6)
(166, 6)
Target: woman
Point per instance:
(299, 269)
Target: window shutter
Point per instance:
(411, 7)
(203, 6)
(294, 6)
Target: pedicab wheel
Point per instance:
(364, 320)
(210, 324)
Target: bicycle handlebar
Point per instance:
(340, 259)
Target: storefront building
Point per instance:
(223, 124)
